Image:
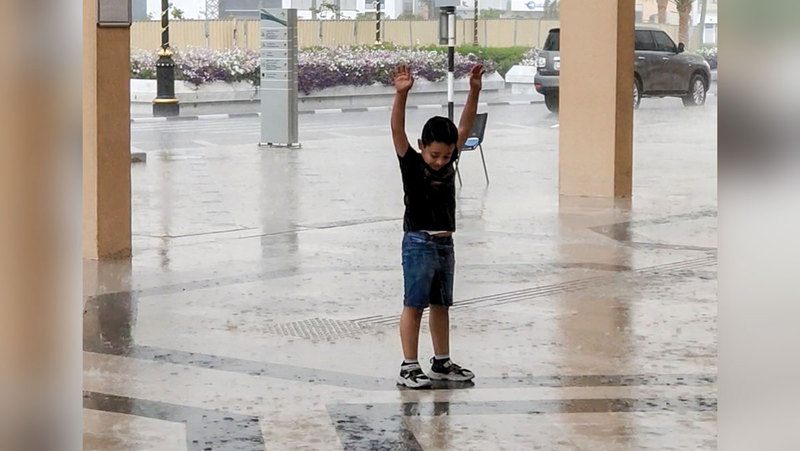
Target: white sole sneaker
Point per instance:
(412, 384)
(449, 377)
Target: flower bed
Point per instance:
(200, 65)
(318, 68)
(529, 58)
(710, 54)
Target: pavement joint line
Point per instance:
(328, 111)
(182, 118)
(149, 119)
(204, 143)
(238, 115)
(213, 116)
(217, 116)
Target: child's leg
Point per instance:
(409, 331)
(442, 297)
(440, 329)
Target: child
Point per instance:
(429, 223)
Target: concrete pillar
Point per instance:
(106, 139)
(596, 98)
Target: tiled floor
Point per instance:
(260, 308)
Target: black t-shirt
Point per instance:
(430, 196)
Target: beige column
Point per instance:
(106, 139)
(596, 98)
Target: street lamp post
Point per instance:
(165, 103)
(475, 25)
(447, 36)
(377, 21)
(451, 53)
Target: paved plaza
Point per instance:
(260, 309)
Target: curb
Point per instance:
(141, 120)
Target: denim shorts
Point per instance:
(428, 269)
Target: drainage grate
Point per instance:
(317, 329)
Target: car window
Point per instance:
(552, 42)
(664, 42)
(644, 40)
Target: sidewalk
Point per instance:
(221, 109)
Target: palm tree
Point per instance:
(684, 17)
(427, 9)
(662, 10)
(701, 29)
(552, 9)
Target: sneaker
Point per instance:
(412, 376)
(448, 371)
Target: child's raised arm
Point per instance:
(403, 81)
(471, 107)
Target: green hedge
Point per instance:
(504, 57)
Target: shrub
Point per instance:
(322, 68)
(710, 54)
(529, 58)
(319, 67)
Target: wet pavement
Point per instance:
(260, 308)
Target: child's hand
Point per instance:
(475, 77)
(403, 79)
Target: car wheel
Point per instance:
(637, 93)
(551, 101)
(697, 92)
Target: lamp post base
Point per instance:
(166, 109)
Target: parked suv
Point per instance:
(662, 69)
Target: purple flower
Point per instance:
(318, 68)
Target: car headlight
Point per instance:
(541, 62)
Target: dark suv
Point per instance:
(661, 69)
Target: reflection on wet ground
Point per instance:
(260, 309)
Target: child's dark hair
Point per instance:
(439, 129)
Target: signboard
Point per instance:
(527, 5)
(113, 13)
(279, 126)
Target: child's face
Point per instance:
(437, 154)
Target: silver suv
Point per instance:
(662, 69)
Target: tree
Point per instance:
(491, 13)
(552, 9)
(327, 7)
(427, 9)
(365, 16)
(662, 11)
(702, 27)
(177, 13)
(406, 16)
(684, 17)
